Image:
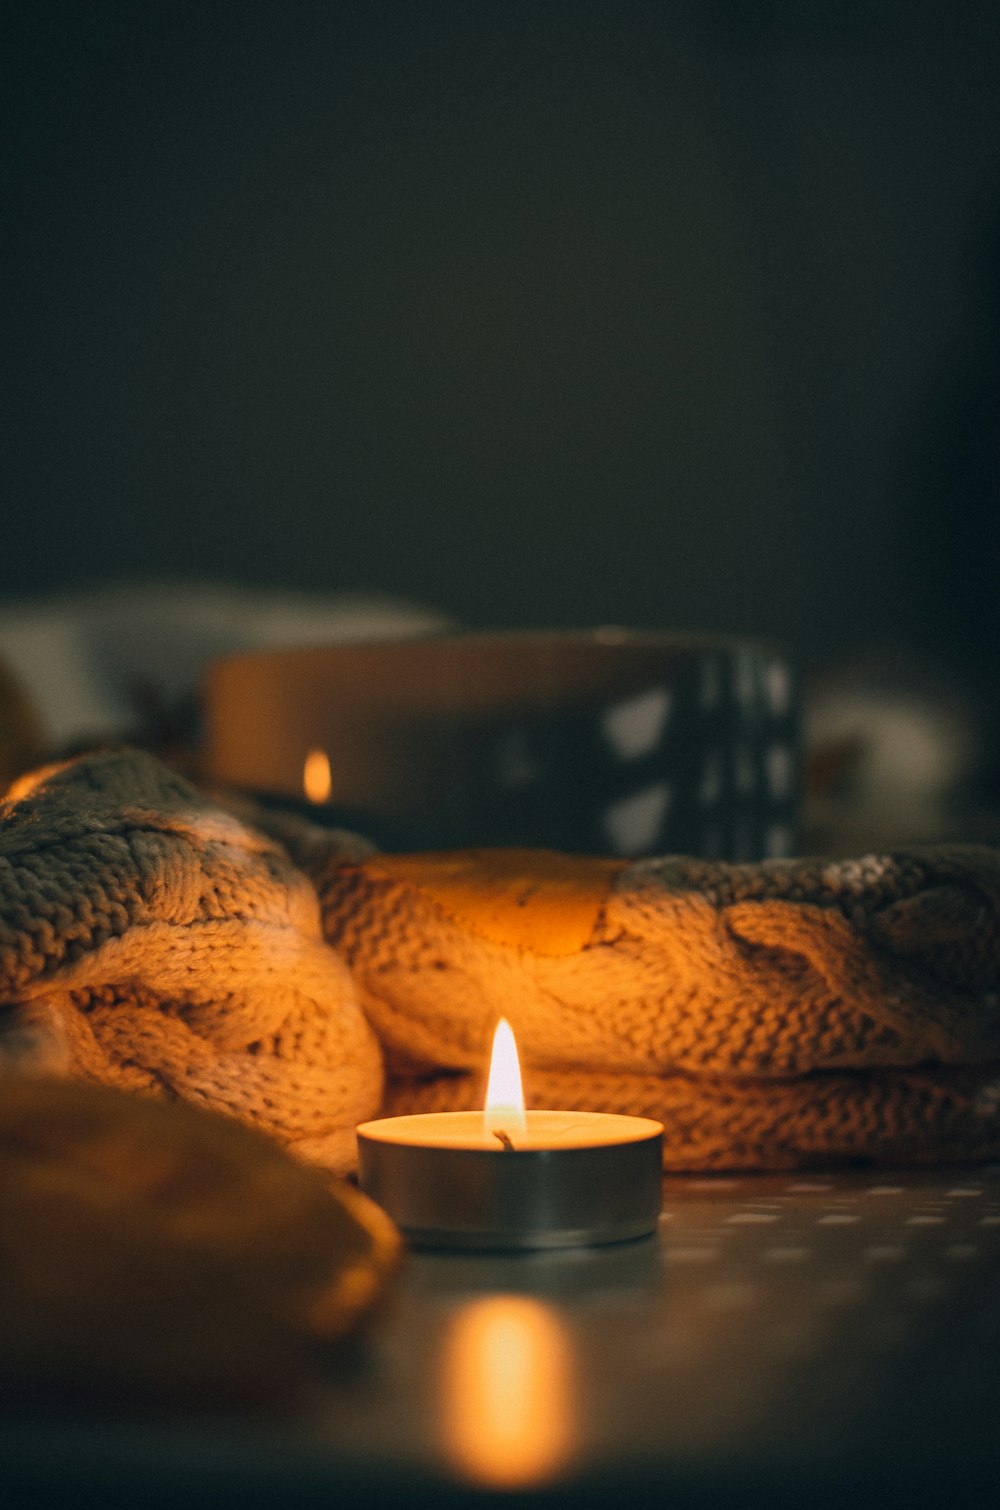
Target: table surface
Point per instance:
(810, 1339)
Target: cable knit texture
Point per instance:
(782, 1013)
(152, 941)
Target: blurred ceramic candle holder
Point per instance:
(507, 1178)
(605, 741)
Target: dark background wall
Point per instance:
(666, 314)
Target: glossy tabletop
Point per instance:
(807, 1340)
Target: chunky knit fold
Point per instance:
(152, 941)
(782, 1013)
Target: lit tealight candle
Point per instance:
(509, 1178)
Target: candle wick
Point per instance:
(503, 1138)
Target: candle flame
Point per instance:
(504, 1093)
(507, 1404)
(316, 776)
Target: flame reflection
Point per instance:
(507, 1391)
(316, 776)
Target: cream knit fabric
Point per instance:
(769, 1015)
(151, 941)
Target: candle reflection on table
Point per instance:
(507, 1396)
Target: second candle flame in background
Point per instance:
(316, 780)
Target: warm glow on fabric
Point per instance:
(24, 785)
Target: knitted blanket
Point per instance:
(770, 1015)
